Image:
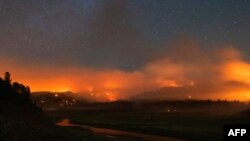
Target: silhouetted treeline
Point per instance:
(15, 91)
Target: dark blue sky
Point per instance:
(121, 34)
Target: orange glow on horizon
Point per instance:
(52, 85)
(238, 71)
(168, 83)
(111, 96)
(111, 85)
(226, 78)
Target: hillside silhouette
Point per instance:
(21, 120)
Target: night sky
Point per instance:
(42, 38)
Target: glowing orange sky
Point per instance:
(227, 77)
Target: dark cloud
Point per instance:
(59, 32)
(111, 33)
(132, 43)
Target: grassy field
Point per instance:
(181, 120)
(22, 123)
(190, 125)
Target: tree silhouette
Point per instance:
(7, 77)
(14, 91)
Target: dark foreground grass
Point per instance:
(190, 126)
(21, 123)
(175, 125)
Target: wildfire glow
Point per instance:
(227, 77)
(238, 71)
(111, 96)
(168, 83)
